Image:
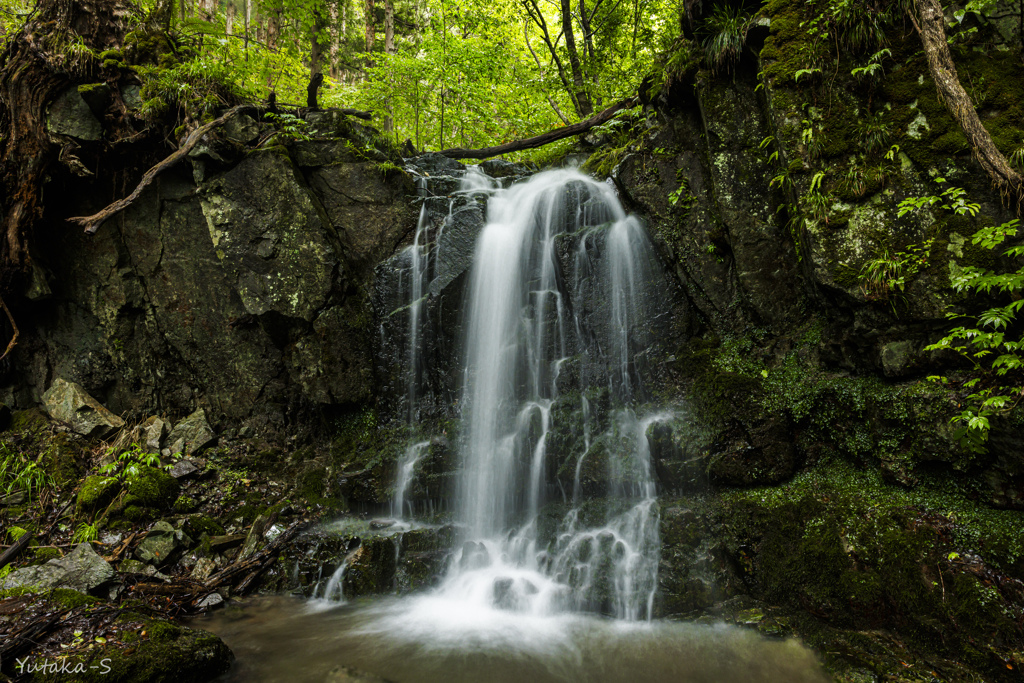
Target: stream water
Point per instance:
(283, 640)
(559, 306)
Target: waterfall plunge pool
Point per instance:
(428, 638)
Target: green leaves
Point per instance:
(994, 354)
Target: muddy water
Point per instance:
(279, 640)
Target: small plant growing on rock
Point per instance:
(126, 465)
(20, 474)
(85, 533)
(885, 276)
(725, 34)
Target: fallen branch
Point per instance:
(13, 552)
(254, 564)
(92, 223)
(14, 340)
(544, 138)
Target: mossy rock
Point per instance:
(44, 555)
(97, 492)
(32, 421)
(151, 487)
(197, 525)
(168, 653)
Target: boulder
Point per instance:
(153, 431)
(191, 434)
(241, 128)
(68, 402)
(152, 488)
(161, 544)
(81, 569)
(183, 468)
(97, 492)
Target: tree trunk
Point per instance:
(590, 64)
(229, 13)
(389, 47)
(316, 49)
(335, 50)
(34, 70)
(371, 30)
(930, 24)
(583, 106)
(248, 26)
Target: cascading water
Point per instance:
(422, 257)
(517, 339)
(406, 470)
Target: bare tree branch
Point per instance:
(92, 223)
(929, 23)
(14, 340)
(540, 68)
(544, 138)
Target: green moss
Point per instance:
(70, 599)
(62, 458)
(151, 487)
(861, 553)
(31, 421)
(44, 555)
(168, 653)
(97, 492)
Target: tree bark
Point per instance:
(336, 32)
(930, 24)
(316, 47)
(584, 107)
(544, 138)
(371, 29)
(389, 47)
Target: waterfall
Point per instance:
(406, 471)
(517, 338)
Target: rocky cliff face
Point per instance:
(240, 282)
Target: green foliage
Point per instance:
(195, 88)
(85, 533)
(129, 463)
(990, 340)
(291, 128)
(725, 36)
(887, 274)
(952, 199)
(19, 473)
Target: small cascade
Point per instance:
(333, 591)
(419, 262)
(406, 472)
(419, 278)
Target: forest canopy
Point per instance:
(439, 73)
